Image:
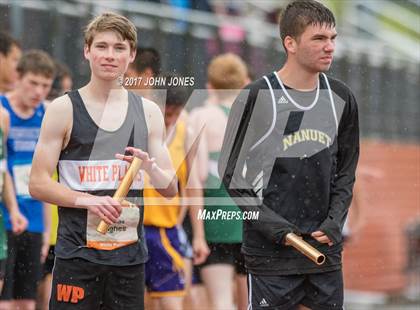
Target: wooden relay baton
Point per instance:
(123, 189)
(305, 248)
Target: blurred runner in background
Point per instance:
(227, 74)
(28, 250)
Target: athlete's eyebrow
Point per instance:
(323, 36)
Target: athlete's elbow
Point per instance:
(168, 192)
(35, 187)
(172, 187)
(172, 190)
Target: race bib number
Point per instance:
(120, 234)
(21, 178)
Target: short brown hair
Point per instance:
(7, 42)
(227, 71)
(112, 22)
(37, 62)
(147, 57)
(301, 13)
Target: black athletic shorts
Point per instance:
(226, 253)
(2, 269)
(49, 262)
(319, 291)
(186, 225)
(23, 266)
(80, 284)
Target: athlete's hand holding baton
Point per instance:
(305, 248)
(124, 187)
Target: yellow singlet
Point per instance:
(166, 214)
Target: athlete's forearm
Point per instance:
(194, 207)
(45, 189)
(9, 194)
(164, 181)
(342, 188)
(269, 223)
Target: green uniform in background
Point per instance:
(217, 198)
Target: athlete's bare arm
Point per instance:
(213, 121)
(197, 122)
(156, 162)
(55, 133)
(194, 191)
(19, 222)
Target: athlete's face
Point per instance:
(33, 88)
(8, 65)
(314, 49)
(109, 55)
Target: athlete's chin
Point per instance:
(323, 67)
(109, 76)
(33, 103)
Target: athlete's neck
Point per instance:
(226, 102)
(5, 87)
(18, 105)
(297, 78)
(100, 90)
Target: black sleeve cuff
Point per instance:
(280, 237)
(332, 230)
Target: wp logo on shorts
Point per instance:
(70, 293)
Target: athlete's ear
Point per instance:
(86, 51)
(133, 53)
(290, 44)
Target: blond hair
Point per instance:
(227, 71)
(112, 22)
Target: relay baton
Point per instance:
(123, 189)
(305, 248)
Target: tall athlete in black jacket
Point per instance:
(290, 151)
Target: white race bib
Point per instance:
(120, 234)
(21, 178)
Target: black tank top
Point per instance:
(88, 164)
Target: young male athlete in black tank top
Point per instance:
(81, 133)
(290, 151)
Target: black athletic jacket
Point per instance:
(291, 156)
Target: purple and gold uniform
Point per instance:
(165, 268)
